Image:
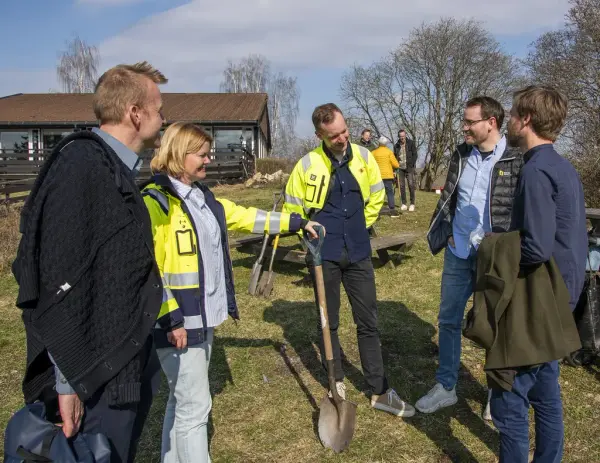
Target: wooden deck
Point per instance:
(382, 245)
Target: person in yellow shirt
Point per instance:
(387, 162)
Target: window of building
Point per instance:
(14, 141)
(52, 137)
(232, 139)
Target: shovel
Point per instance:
(337, 417)
(265, 285)
(257, 267)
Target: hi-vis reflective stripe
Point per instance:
(181, 279)
(364, 152)
(261, 221)
(192, 322)
(306, 162)
(167, 295)
(378, 186)
(159, 197)
(293, 200)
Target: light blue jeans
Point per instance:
(185, 428)
(458, 278)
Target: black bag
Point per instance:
(587, 313)
(30, 438)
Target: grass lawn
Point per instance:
(267, 380)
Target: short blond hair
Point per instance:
(122, 86)
(179, 140)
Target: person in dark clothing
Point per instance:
(366, 139)
(406, 153)
(339, 185)
(549, 212)
(89, 287)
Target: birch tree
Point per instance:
(253, 75)
(77, 70)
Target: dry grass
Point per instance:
(266, 377)
(9, 236)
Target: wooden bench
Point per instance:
(382, 245)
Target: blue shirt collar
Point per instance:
(498, 149)
(129, 158)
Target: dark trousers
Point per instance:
(539, 388)
(389, 191)
(403, 175)
(359, 282)
(123, 425)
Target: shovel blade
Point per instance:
(262, 283)
(254, 276)
(336, 423)
(268, 288)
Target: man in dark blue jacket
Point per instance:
(549, 210)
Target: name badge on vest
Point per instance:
(185, 242)
(504, 174)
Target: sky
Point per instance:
(190, 41)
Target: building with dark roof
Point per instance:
(37, 121)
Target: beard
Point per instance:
(513, 139)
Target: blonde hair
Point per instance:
(179, 140)
(121, 86)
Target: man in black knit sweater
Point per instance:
(88, 284)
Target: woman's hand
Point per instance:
(310, 229)
(178, 337)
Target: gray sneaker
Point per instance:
(391, 403)
(436, 398)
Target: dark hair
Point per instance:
(324, 114)
(489, 108)
(365, 131)
(400, 131)
(546, 107)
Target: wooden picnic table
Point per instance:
(296, 254)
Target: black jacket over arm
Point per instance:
(88, 284)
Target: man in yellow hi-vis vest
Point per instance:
(339, 185)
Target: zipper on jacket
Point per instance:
(449, 196)
(490, 188)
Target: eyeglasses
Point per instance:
(467, 123)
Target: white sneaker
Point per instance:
(436, 398)
(391, 403)
(403, 207)
(411, 208)
(487, 413)
(341, 389)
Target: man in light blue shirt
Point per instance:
(477, 199)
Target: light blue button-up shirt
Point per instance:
(129, 158)
(211, 250)
(473, 202)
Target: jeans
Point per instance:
(389, 191)
(458, 278)
(539, 387)
(359, 282)
(404, 174)
(185, 428)
(123, 425)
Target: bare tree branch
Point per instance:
(422, 86)
(77, 70)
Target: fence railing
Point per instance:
(19, 169)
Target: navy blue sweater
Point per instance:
(549, 210)
(343, 215)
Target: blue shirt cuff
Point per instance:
(62, 385)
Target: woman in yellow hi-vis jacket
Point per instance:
(190, 226)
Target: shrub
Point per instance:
(272, 165)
